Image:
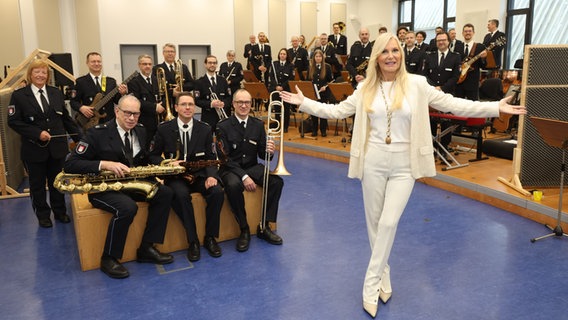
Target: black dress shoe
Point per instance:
(63, 218)
(244, 240)
(193, 253)
(113, 268)
(324, 134)
(212, 247)
(268, 235)
(151, 254)
(314, 134)
(45, 223)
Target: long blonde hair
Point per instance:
(375, 76)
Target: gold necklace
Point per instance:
(389, 115)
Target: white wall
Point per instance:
(478, 12)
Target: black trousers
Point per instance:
(39, 173)
(124, 208)
(182, 206)
(234, 188)
(322, 124)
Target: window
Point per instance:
(433, 13)
(534, 22)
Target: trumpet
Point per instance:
(220, 111)
(280, 169)
(163, 92)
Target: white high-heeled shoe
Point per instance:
(384, 296)
(371, 308)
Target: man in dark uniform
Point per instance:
(413, 57)
(37, 113)
(89, 85)
(244, 141)
(358, 55)
(338, 40)
(193, 140)
(212, 108)
(116, 146)
(248, 51)
(491, 37)
(169, 66)
(145, 88)
(232, 71)
(261, 58)
(469, 87)
(442, 70)
(330, 57)
(298, 55)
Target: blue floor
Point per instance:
(453, 258)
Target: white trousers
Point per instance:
(387, 184)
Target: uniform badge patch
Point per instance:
(196, 94)
(81, 147)
(11, 110)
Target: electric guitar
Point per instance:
(99, 101)
(466, 65)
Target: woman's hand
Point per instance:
(293, 98)
(505, 107)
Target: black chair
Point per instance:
(491, 90)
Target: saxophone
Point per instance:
(109, 181)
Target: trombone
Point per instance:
(163, 92)
(280, 169)
(220, 111)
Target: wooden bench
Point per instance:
(91, 227)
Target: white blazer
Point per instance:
(419, 96)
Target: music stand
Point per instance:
(308, 90)
(555, 134)
(340, 92)
(249, 76)
(257, 91)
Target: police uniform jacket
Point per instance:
(167, 141)
(341, 45)
(188, 81)
(318, 82)
(242, 146)
(85, 91)
(147, 94)
(103, 142)
(446, 75)
(280, 75)
(258, 57)
(203, 100)
(488, 39)
(249, 57)
(414, 60)
(25, 116)
(234, 73)
(357, 55)
(299, 59)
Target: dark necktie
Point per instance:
(229, 65)
(98, 84)
(282, 64)
(323, 49)
(172, 68)
(44, 103)
(261, 48)
(441, 59)
(148, 80)
(466, 49)
(186, 141)
(128, 148)
(213, 84)
(244, 124)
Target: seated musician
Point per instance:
(117, 146)
(193, 140)
(88, 86)
(244, 141)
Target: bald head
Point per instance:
(364, 35)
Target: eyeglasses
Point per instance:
(240, 103)
(129, 114)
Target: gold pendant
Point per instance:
(388, 140)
